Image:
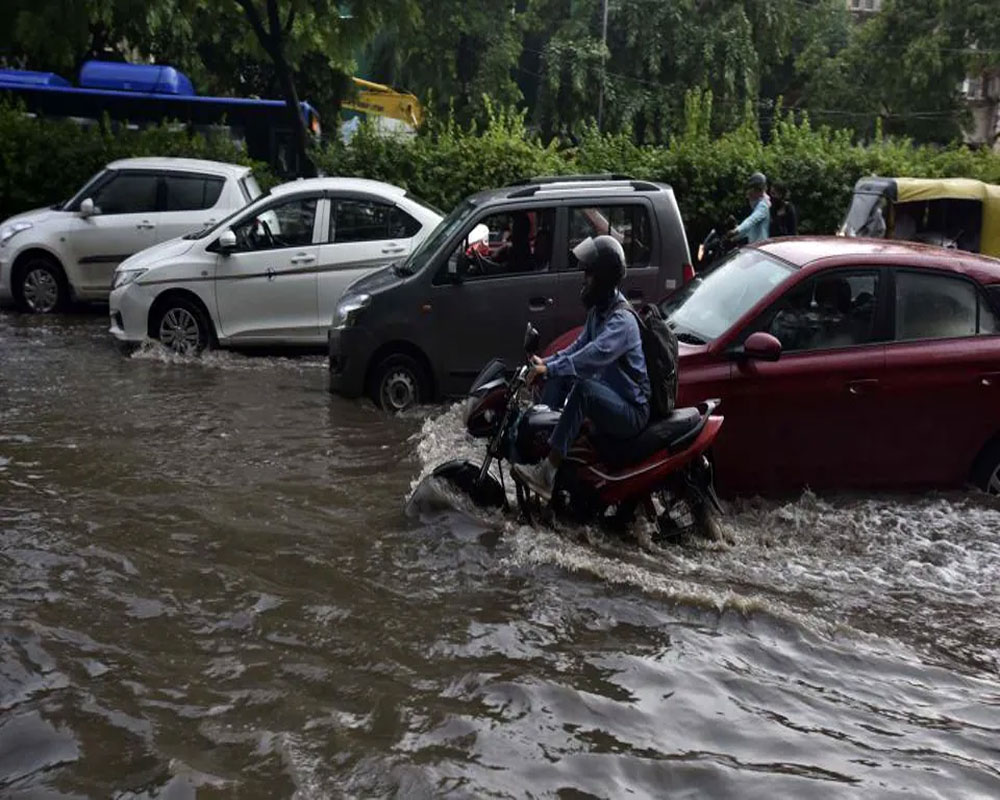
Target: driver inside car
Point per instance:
(602, 375)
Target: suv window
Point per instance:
(191, 192)
(369, 221)
(832, 310)
(127, 193)
(932, 306)
(518, 241)
(629, 224)
(289, 224)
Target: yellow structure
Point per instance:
(384, 101)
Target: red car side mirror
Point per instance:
(762, 347)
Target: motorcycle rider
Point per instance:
(602, 375)
(757, 226)
(784, 216)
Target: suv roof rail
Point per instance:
(535, 186)
(596, 176)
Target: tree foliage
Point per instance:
(897, 71)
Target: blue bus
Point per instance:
(146, 94)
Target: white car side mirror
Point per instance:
(87, 208)
(227, 241)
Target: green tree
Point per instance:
(292, 32)
(901, 71)
(654, 52)
(453, 53)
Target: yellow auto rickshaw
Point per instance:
(958, 213)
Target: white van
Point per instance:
(72, 249)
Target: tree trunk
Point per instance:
(272, 39)
(300, 136)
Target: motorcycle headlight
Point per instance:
(8, 232)
(124, 277)
(349, 309)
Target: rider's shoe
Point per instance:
(540, 477)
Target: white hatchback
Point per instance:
(71, 249)
(272, 273)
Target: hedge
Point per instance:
(44, 161)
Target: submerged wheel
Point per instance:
(182, 326)
(40, 286)
(399, 383)
(986, 473)
(464, 476)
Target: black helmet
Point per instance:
(604, 259)
(757, 181)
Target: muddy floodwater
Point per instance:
(211, 586)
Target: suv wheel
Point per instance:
(399, 383)
(181, 326)
(986, 473)
(40, 286)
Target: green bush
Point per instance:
(44, 161)
(820, 166)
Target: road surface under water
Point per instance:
(209, 587)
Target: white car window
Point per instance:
(250, 188)
(289, 224)
(369, 221)
(191, 192)
(127, 193)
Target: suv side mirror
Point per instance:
(87, 208)
(227, 241)
(531, 339)
(458, 266)
(762, 346)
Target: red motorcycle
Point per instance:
(600, 480)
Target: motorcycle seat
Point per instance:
(663, 434)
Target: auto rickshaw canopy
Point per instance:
(908, 190)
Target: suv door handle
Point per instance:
(864, 386)
(303, 258)
(145, 225)
(393, 249)
(989, 379)
(540, 303)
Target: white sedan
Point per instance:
(272, 273)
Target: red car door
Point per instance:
(942, 381)
(811, 418)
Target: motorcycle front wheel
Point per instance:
(464, 476)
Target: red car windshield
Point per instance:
(704, 310)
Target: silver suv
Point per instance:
(70, 250)
(423, 328)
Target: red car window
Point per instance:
(932, 306)
(836, 309)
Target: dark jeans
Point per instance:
(609, 413)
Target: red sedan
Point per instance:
(846, 363)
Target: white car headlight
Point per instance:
(123, 277)
(8, 232)
(349, 309)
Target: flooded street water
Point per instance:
(209, 586)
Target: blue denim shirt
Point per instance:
(604, 340)
(757, 226)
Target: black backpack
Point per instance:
(659, 347)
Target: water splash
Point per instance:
(152, 351)
(921, 568)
